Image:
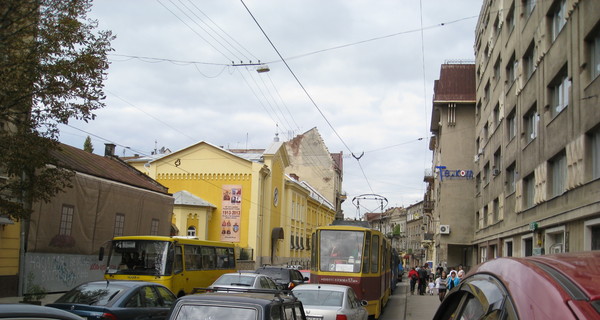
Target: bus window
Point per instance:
(225, 259)
(138, 257)
(367, 253)
(375, 254)
(209, 258)
(177, 261)
(193, 258)
(340, 251)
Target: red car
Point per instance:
(559, 286)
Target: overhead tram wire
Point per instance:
(305, 91)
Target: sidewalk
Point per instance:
(50, 298)
(402, 305)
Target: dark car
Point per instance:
(117, 300)
(34, 312)
(286, 278)
(559, 286)
(245, 304)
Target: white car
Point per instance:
(330, 302)
(244, 281)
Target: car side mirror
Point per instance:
(305, 279)
(364, 303)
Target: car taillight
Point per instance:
(291, 286)
(108, 316)
(341, 317)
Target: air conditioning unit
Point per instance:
(444, 229)
(556, 248)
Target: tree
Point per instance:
(52, 66)
(87, 145)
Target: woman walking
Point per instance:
(440, 283)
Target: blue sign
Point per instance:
(454, 174)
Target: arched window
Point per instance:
(191, 232)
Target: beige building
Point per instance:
(537, 128)
(449, 201)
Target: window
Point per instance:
(559, 93)
(511, 178)
(508, 248)
(559, 18)
(478, 183)
(528, 247)
(486, 132)
(510, 20)
(595, 54)
(530, 121)
(191, 231)
(119, 225)
(486, 172)
(595, 146)
(510, 70)
(528, 191)
(154, 227)
(528, 6)
(529, 61)
(478, 220)
(487, 92)
(497, 161)
(496, 210)
(558, 166)
(497, 69)
(496, 115)
(511, 125)
(485, 216)
(66, 220)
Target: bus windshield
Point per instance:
(341, 251)
(140, 257)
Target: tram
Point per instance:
(356, 256)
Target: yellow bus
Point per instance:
(180, 264)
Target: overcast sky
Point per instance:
(368, 68)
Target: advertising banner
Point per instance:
(231, 213)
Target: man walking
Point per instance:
(423, 279)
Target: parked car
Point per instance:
(330, 302)
(306, 275)
(117, 300)
(34, 312)
(559, 286)
(247, 304)
(286, 278)
(244, 280)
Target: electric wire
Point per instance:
(304, 89)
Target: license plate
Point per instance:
(313, 318)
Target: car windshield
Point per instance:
(320, 297)
(234, 280)
(143, 257)
(91, 294)
(341, 251)
(201, 312)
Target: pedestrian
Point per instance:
(441, 285)
(460, 275)
(414, 277)
(431, 287)
(452, 280)
(422, 279)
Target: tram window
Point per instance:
(375, 254)
(367, 261)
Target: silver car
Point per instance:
(327, 301)
(243, 280)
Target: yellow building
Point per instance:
(9, 256)
(242, 197)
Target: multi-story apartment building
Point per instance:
(537, 128)
(449, 201)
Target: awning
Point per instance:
(5, 220)
(277, 233)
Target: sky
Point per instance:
(361, 72)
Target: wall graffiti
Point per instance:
(58, 273)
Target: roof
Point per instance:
(456, 84)
(110, 168)
(29, 311)
(186, 198)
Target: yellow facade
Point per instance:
(9, 249)
(272, 204)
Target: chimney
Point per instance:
(109, 149)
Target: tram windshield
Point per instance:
(140, 257)
(341, 251)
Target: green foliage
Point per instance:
(52, 70)
(87, 145)
(35, 292)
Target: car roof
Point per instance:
(122, 283)
(319, 286)
(23, 310)
(242, 296)
(567, 277)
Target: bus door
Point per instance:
(179, 282)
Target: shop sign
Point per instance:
(450, 174)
